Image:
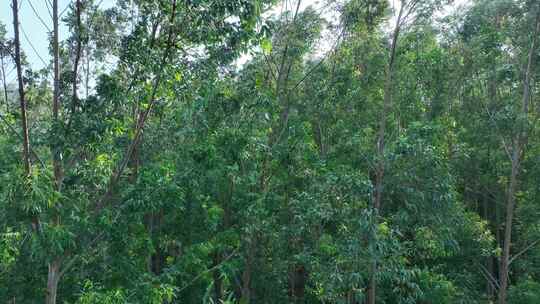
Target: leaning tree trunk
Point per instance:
(519, 141)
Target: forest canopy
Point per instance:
(271, 151)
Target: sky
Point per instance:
(34, 14)
(32, 31)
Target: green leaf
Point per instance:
(266, 46)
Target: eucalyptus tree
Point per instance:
(363, 153)
(84, 132)
(497, 61)
(409, 12)
(518, 146)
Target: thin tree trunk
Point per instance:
(246, 274)
(24, 119)
(246, 281)
(4, 82)
(78, 48)
(489, 260)
(218, 282)
(87, 78)
(387, 108)
(53, 276)
(56, 96)
(114, 178)
(492, 221)
(510, 204)
(517, 154)
(379, 170)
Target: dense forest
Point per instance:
(265, 151)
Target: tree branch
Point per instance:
(517, 255)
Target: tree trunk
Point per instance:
(56, 96)
(87, 72)
(246, 280)
(379, 170)
(387, 108)
(216, 276)
(490, 288)
(246, 274)
(4, 82)
(114, 178)
(78, 48)
(24, 119)
(298, 277)
(511, 201)
(53, 278)
(518, 151)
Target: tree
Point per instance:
(517, 150)
(271, 151)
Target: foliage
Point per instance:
(226, 152)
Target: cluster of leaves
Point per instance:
(254, 184)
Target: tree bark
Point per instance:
(87, 72)
(511, 201)
(490, 288)
(53, 277)
(78, 48)
(216, 276)
(246, 274)
(52, 281)
(4, 82)
(24, 119)
(518, 151)
(57, 166)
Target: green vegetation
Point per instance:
(259, 151)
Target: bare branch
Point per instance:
(517, 255)
(38, 16)
(208, 270)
